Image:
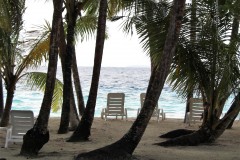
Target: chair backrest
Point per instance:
(142, 98)
(21, 121)
(196, 109)
(115, 103)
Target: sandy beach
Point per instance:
(227, 147)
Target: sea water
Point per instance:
(129, 80)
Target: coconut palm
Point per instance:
(78, 26)
(71, 17)
(83, 130)
(13, 63)
(210, 67)
(74, 119)
(8, 50)
(123, 148)
(36, 137)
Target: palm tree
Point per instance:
(85, 28)
(74, 119)
(9, 32)
(75, 26)
(71, 17)
(123, 148)
(36, 137)
(209, 67)
(13, 63)
(83, 130)
(38, 52)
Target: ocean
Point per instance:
(130, 80)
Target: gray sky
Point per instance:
(119, 50)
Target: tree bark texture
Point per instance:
(74, 119)
(127, 144)
(190, 95)
(83, 130)
(36, 137)
(8, 105)
(77, 84)
(1, 97)
(71, 22)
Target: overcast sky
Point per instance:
(119, 50)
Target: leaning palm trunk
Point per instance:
(123, 148)
(36, 137)
(207, 133)
(234, 105)
(83, 130)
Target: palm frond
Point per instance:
(150, 20)
(5, 22)
(208, 54)
(39, 48)
(37, 80)
(86, 27)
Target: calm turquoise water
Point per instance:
(131, 81)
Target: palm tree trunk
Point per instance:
(190, 95)
(62, 55)
(77, 84)
(8, 105)
(73, 112)
(74, 119)
(83, 130)
(123, 148)
(36, 137)
(207, 133)
(234, 105)
(1, 97)
(193, 39)
(71, 22)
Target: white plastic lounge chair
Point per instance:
(21, 122)
(158, 112)
(115, 106)
(195, 110)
